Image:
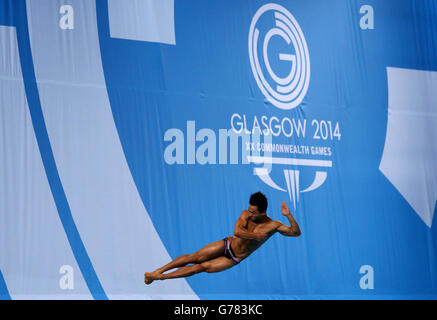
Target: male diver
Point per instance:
(252, 229)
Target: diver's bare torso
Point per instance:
(242, 248)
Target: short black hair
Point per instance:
(258, 199)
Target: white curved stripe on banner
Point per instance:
(115, 228)
(410, 149)
(35, 257)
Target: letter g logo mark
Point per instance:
(283, 92)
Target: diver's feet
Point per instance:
(148, 279)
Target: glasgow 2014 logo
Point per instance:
(280, 62)
(288, 91)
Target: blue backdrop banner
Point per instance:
(134, 132)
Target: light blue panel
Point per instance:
(33, 245)
(142, 20)
(410, 153)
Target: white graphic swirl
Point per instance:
(290, 90)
